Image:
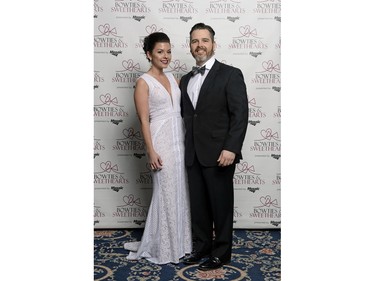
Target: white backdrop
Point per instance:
(247, 36)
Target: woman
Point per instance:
(167, 234)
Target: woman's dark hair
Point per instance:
(150, 41)
(201, 25)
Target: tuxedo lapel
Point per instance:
(208, 81)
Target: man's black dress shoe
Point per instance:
(194, 258)
(211, 263)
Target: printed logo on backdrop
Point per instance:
(145, 176)
(267, 140)
(268, 74)
(98, 147)
(245, 174)
(277, 113)
(152, 28)
(98, 8)
(267, 208)
(128, 75)
(130, 6)
(253, 189)
(278, 44)
(256, 113)
(106, 37)
(267, 7)
(180, 7)
(98, 213)
(133, 207)
(117, 188)
(225, 7)
(98, 79)
(186, 45)
(109, 173)
(132, 141)
(108, 106)
(276, 156)
(233, 19)
(247, 38)
(277, 180)
(178, 68)
(236, 214)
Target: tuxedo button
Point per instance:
(195, 115)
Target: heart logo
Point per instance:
(268, 66)
(267, 134)
(130, 201)
(131, 134)
(107, 167)
(129, 65)
(106, 99)
(106, 30)
(244, 168)
(176, 65)
(246, 31)
(253, 102)
(267, 201)
(151, 29)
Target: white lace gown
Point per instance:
(167, 233)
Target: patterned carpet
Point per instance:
(255, 257)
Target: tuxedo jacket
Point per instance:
(220, 119)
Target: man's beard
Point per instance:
(204, 58)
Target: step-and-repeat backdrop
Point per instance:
(247, 36)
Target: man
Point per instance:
(214, 107)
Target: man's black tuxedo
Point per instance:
(220, 118)
(218, 122)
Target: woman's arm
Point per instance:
(141, 95)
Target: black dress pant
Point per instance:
(212, 203)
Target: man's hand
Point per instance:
(226, 158)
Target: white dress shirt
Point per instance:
(196, 81)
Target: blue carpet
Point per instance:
(255, 257)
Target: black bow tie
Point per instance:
(197, 70)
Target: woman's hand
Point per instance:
(155, 161)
